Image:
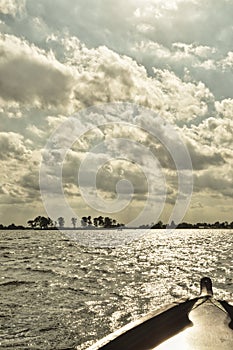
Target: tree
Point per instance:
(45, 222)
(37, 221)
(41, 222)
(89, 221)
(74, 221)
(11, 226)
(159, 225)
(95, 221)
(100, 220)
(107, 222)
(61, 221)
(31, 223)
(84, 221)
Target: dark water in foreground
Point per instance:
(56, 293)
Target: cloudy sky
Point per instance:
(88, 79)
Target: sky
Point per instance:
(116, 108)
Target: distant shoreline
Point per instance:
(193, 227)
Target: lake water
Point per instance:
(57, 292)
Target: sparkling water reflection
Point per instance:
(56, 293)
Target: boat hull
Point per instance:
(201, 323)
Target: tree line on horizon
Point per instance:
(186, 225)
(43, 223)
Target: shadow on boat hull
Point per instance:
(201, 323)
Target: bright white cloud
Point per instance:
(225, 108)
(227, 62)
(12, 7)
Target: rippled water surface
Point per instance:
(57, 292)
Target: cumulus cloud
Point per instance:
(225, 108)
(90, 76)
(213, 133)
(29, 181)
(12, 7)
(220, 185)
(12, 146)
(31, 76)
(35, 132)
(187, 19)
(12, 191)
(204, 156)
(106, 76)
(185, 101)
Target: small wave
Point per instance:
(42, 270)
(80, 291)
(6, 255)
(47, 329)
(15, 283)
